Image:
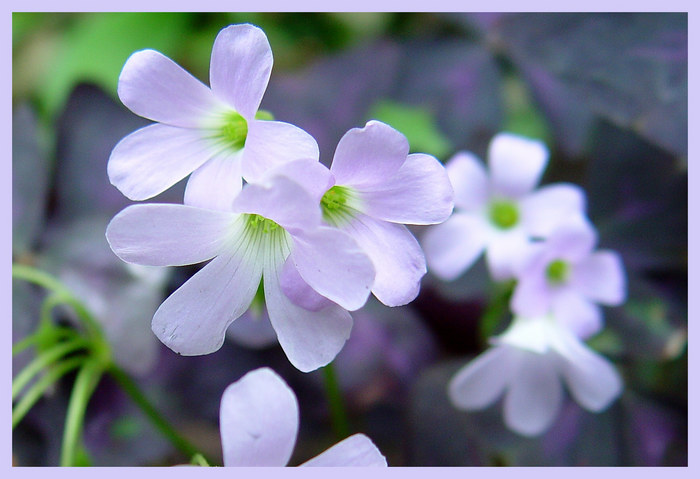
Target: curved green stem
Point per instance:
(339, 416)
(498, 305)
(40, 337)
(37, 390)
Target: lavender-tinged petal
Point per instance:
(273, 143)
(367, 156)
(397, 257)
(252, 330)
(601, 277)
(355, 451)
(573, 241)
(453, 246)
(534, 396)
(168, 234)
(549, 207)
(216, 183)
(241, 63)
(516, 164)
(310, 339)
(259, 420)
(298, 290)
(482, 380)
(578, 314)
(531, 297)
(469, 180)
(332, 263)
(282, 201)
(506, 254)
(154, 87)
(420, 193)
(313, 176)
(154, 158)
(193, 320)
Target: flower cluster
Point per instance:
(541, 240)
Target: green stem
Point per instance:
(132, 389)
(39, 337)
(37, 390)
(84, 386)
(339, 417)
(497, 307)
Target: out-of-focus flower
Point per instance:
(527, 363)
(564, 276)
(259, 422)
(271, 228)
(499, 211)
(378, 188)
(216, 133)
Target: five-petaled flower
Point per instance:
(259, 421)
(216, 133)
(499, 212)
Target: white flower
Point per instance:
(499, 212)
(564, 276)
(216, 133)
(527, 363)
(259, 424)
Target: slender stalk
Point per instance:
(339, 417)
(41, 337)
(140, 399)
(498, 305)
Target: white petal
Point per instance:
(516, 164)
(367, 156)
(216, 183)
(534, 396)
(578, 314)
(355, 451)
(469, 180)
(310, 339)
(193, 320)
(572, 241)
(310, 174)
(332, 263)
(506, 253)
(241, 63)
(550, 206)
(453, 246)
(482, 381)
(397, 257)
(154, 87)
(298, 290)
(420, 193)
(168, 234)
(152, 159)
(259, 420)
(273, 143)
(601, 277)
(531, 297)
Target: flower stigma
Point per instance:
(504, 214)
(557, 271)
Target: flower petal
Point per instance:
(333, 264)
(298, 290)
(252, 330)
(483, 379)
(531, 297)
(601, 277)
(550, 206)
(154, 87)
(578, 314)
(420, 193)
(355, 451)
(453, 246)
(313, 176)
(193, 320)
(310, 339)
(259, 420)
(507, 253)
(469, 180)
(516, 164)
(397, 257)
(272, 143)
(534, 396)
(216, 183)
(154, 158)
(241, 63)
(168, 234)
(367, 156)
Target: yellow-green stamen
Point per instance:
(504, 214)
(337, 205)
(557, 271)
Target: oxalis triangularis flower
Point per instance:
(271, 239)
(216, 133)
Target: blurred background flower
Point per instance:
(606, 92)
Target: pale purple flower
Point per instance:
(527, 364)
(273, 228)
(499, 212)
(565, 276)
(213, 133)
(259, 422)
(377, 188)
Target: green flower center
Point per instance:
(504, 214)
(257, 224)
(557, 271)
(233, 131)
(337, 205)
